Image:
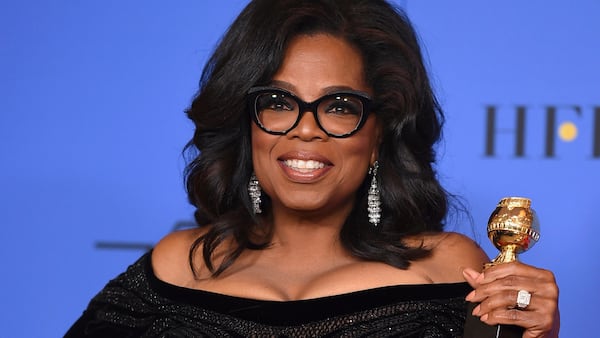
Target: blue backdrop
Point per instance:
(92, 95)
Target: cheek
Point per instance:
(261, 147)
(368, 140)
(358, 155)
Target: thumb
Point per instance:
(471, 277)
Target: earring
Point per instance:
(373, 201)
(254, 191)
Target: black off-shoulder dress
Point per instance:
(138, 304)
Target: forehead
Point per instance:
(315, 64)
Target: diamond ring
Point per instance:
(523, 298)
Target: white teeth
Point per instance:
(303, 165)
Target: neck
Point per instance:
(308, 233)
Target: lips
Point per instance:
(301, 166)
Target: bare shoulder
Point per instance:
(451, 252)
(170, 256)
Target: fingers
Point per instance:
(507, 279)
(501, 271)
(503, 306)
(535, 325)
(496, 291)
(506, 289)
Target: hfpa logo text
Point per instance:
(553, 124)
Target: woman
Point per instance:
(320, 210)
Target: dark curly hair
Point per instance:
(249, 54)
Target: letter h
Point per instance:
(492, 130)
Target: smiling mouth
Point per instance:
(304, 166)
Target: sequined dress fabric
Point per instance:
(138, 304)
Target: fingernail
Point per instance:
(484, 317)
(476, 310)
(470, 296)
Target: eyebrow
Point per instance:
(324, 91)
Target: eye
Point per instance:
(342, 105)
(275, 102)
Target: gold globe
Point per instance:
(513, 227)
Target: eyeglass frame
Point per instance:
(303, 107)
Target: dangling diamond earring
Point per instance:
(254, 191)
(373, 201)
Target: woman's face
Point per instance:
(306, 170)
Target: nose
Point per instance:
(307, 128)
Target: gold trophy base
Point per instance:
(507, 255)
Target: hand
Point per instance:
(496, 290)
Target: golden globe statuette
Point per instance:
(513, 227)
